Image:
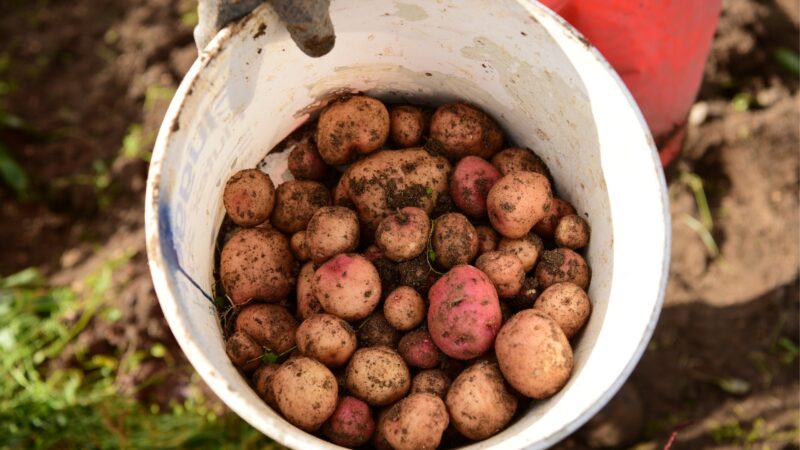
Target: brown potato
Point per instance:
(306, 392)
(572, 232)
(527, 249)
(454, 240)
(504, 270)
(516, 159)
(377, 375)
(295, 202)
(432, 381)
(416, 423)
(567, 304)
(243, 351)
(404, 308)
(256, 264)
(307, 303)
(406, 125)
(262, 383)
(326, 338)
(532, 343)
(299, 247)
(487, 239)
(249, 197)
(459, 130)
(418, 350)
(376, 331)
(403, 235)
(331, 230)
(340, 195)
(563, 264)
(270, 326)
(350, 125)
(347, 286)
(517, 201)
(558, 209)
(479, 402)
(304, 160)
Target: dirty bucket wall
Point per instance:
(549, 91)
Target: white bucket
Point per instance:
(536, 75)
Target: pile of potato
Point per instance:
(414, 285)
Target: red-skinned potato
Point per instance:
(256, 264)
(488, 239)
(567, 304)
(572, 232)
(558, 209)
(470, 183)
(270, 326)
(504, 270)
(377, 375)
(432, 381)
(416, 423)
(517, 201)
(262, 383)
(454, 240)
(406, 125)
(307, 303)
(243, 351)
(331, 230)
(459, 130)
(404, 308)
(298, 246)
(479, 403)
(351, 425)
(295, 202)
(563, 264)
(527, 249)
(347, 286)
(516, 159)
(249, 197)
(403, 234)
(350, 125)
(418, 350)
(305, 391)
(326, 338)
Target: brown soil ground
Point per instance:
(722, 369)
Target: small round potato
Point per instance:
(403, 234)
(459, 130)
(470, 183)
(505, 270)
(487, 239)
(270, 326)
(558, 209)
(350, 125)
(243, 351)
(572, 232)
(377, 331)
(331, 230)
(418, 350)
(516, 159)
(249, 197)
(567, 304)
(304, 160)
(563, 264)
(377, 375)
(527, 249)
(326, 338)
(532, 343)
(307, 303)
(404, 308)
(406, 125)
(305, 391)
(299, 247)
(454, 240)
(347, 286)
(432, 381)
(295, 202)
(416, 423)
(517, 201)
(479, 403)
(262, 383)
(256, 264)
(351, 425)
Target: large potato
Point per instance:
(392, 179)
(534, 354)
(305, 391)
(295, 202)
(377, 375)
(351, 425)
(270, 326)
(567, 304)
(563, 264)
(249, 197)
(479, 403)
(326, 338)
(403, 234)
(459, 130)
(347, 286)
(454, 240)
(331, 230)
(415, 423)
(256, 264)
(517, 201)
(350, 125)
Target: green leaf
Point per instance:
(29, 277)
(741, 102)
(788, 59)
(269, 358)
(12, 173)
(431, 255)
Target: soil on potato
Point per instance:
(722, 368)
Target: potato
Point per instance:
(351, 425)
(256, 264)
(454, 240)
(406, 125)
(295, 202)
(418, 350)
(459, 130)
(340, 195)
(326, 338)
(270, 326)
(307, 303)
(249, 197)
(479, 403)
(516, 159)
(298, 245)
(376, 331)
(243, 351)
(534, 354)
(352, 124)
(567, 304)
(404, 308)
(347, 286)
(416, 273)
(262, 383)
(305, 391)
(487, 239)
(432, 381)
(526, 296)
(464, 313)
(527, 249)
(558, 209)
(377, 375)
(304, 160)
(517, 201)
(416, 423)
(572, 232)
(563, 264)
(470, 183)
(504, 270)
(403, 235)
(331, 230)
(381, 183)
